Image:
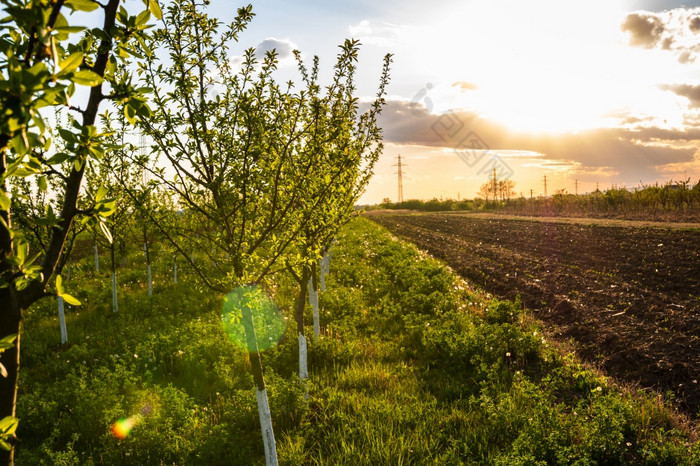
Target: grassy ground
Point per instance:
(413, 368)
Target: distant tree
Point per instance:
(486, 191)
(506, 189)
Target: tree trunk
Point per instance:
(97, 260)
(323, 272)
(148, 261)
(115, 302)
(10, 322)
(313, 300)
(260, 390)
(300, 305)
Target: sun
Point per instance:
(540, 66)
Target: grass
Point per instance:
(414, 367)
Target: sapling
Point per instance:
(236, 160)
(41, 65)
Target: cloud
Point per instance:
(645, 29)
(692, 93)
(636, 154)
(676, 31)
(465, 86)
(283, 47)
(381, 33)
(695, 24)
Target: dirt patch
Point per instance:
(628, 296)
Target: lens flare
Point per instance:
(122, 428)
(268, 322)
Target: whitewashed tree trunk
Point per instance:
(115, 302)
(260, 389)
(62, 321)
(313, 300)
(150, 282)
(175, 270)
(303, 358)
(266, 427)
(97, 261)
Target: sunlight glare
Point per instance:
(268, 321)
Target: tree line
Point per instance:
(673, 201)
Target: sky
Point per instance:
(589, 94)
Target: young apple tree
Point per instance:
(345, 146)
(235, 159)
(40, 69)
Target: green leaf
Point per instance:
(58, 158)
(70, 299)
(155, 9)
(72, 62)
(7, 342)
(87, 78)
(143, 18)
(4, 201)
(100, 194)
(82, 5)
(41, 182)
(59, 285)
(8, 426)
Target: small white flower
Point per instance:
(508, 354)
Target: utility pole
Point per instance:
(596, 186)
(545, 185)
(576, 184)
(531, 194)
(495, 186)
(400, 173)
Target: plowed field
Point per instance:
(627, 296)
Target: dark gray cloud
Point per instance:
(283, 47)
(644, 29)
(692, 93)
(636, 154)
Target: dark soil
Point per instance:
(628, 297)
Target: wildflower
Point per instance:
(508, 354)
(136, 356)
